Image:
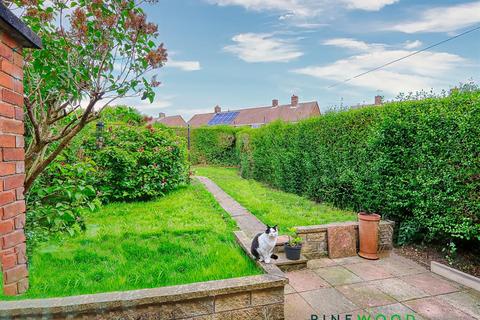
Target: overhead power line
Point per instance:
(404, 57)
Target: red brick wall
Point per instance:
(12, 168)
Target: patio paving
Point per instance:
(351, 287)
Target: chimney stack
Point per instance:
(217, 109)
(378, 100)
(294, 101)
(161, 115)
(275, 103)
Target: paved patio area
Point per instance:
(391, 285)
(375, 290)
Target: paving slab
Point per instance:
(399, 289)
(341, 241)
(337, 275)
(320, 263)
(368, 271)
(431, 284)
(365, 295)
(467, 301)
(296, 308)
(328, 301)
(393, 309)
(398, 267)
(305, 280)
(349, 260)
(436, 309)
(289, 289)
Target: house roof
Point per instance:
(200, 119)
(15, 28)
(261, 115)
(172, 121)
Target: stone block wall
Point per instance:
(254, 298)
(315, 241)
(12, 168)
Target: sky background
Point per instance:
(244, 53)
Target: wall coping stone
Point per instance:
(135, 298)
(324, 227)
(18, 30)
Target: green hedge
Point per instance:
(416, 162)
(213, 145)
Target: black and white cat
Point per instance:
(264, 243)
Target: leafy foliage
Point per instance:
(122, 114)
(57, 198)
(214, 145)
(416, 162)
(137, 163)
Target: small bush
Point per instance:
(138, 163)
(56, 200)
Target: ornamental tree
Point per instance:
(94, 52)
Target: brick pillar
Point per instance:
(14, 36)
(12, 168)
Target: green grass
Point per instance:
(273, 206)
(182, 238)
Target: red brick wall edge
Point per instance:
(12, 168)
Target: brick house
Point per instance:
(170, 121)
(256, 117)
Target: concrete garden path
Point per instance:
(246, 221)
(391, 285)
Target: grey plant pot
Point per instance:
(292, 253)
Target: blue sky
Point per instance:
(244, 53)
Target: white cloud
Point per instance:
(144, 106)
(300, 9)
(442, 19)
(262, 47)
(183, 65)
(368, 5)
(413, 44)
(423, 71)
(352, 44)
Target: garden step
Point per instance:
(288, 265)
(280, 242)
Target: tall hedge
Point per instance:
(416, 162)
(213, 145)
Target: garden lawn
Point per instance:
(181, 238)
(273, 206)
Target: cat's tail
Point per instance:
(274, 256)
(255, 253)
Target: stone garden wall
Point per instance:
(315, 243)
(255, 297)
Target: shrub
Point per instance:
(213, 145)
(56, 200)
(416, 162)
(122, 114)
(138, 163)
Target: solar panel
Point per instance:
(223, 118)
